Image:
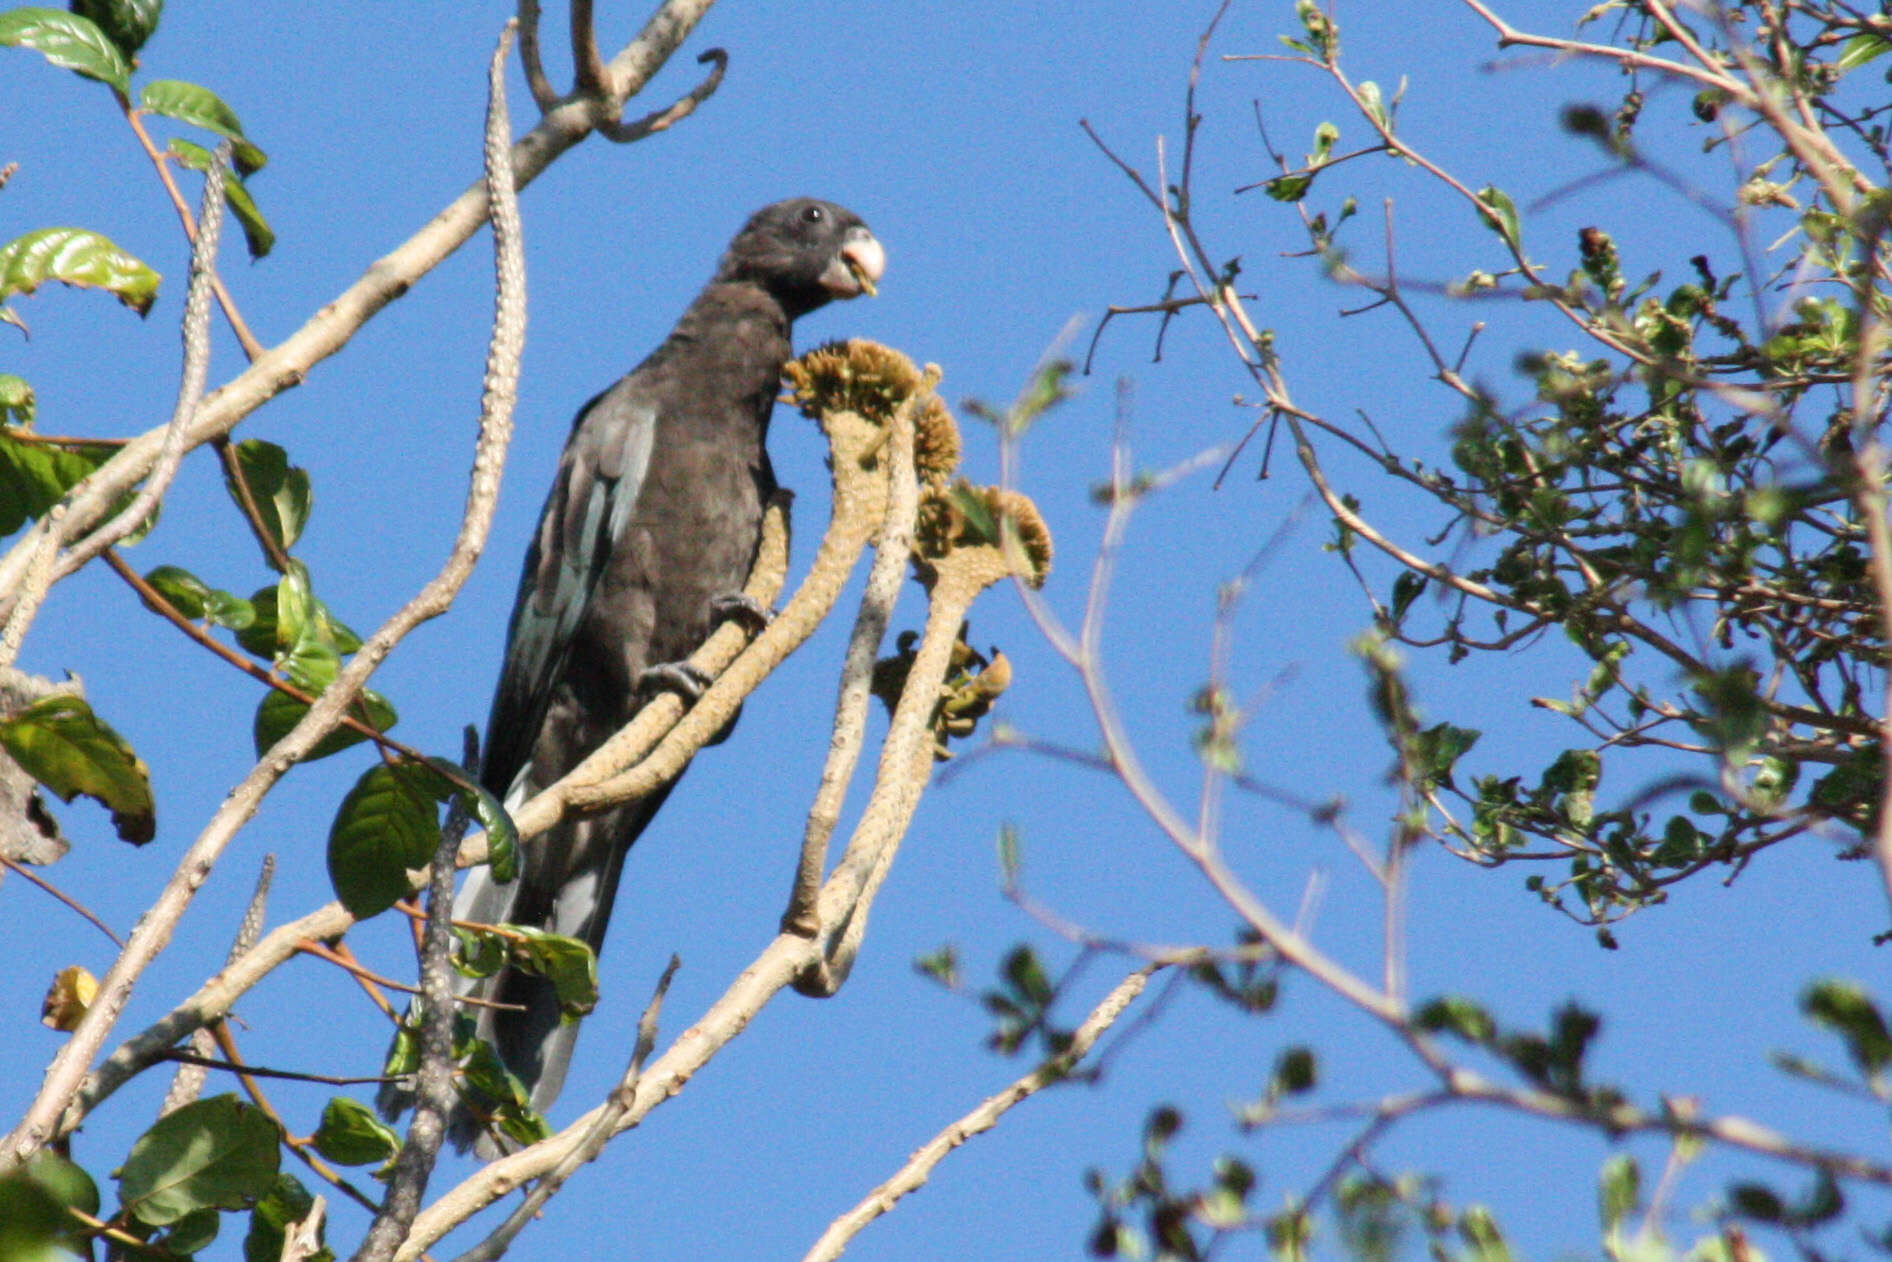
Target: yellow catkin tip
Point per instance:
(964, 516)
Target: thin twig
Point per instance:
(602, 1128)
(919, 1167)
(26, 872)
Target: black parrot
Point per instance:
(651, 525)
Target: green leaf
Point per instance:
(307, 632)
(35, 476)
(287, 1202)
(193, 1233)
(386, 825)
(1288, 188)
(1619, 1191)
(129, 23)
(942, 966)
(200, 107)
(258, 236)
(981, 527)
(75, 256)
(68, 40)
(1499, 214)
(1861, 49)
(351, 1135)
(17, 402)
(1374, 104)
(70, 750)
(187, 593)
(280, 490)
(1454, 1014)
(278, 712)
(1295, 1071)
(570, 965)
(1436, 749)
(480, 953)
(502, 836)
(34, 1225)
(1026, 976)
(66, 1181)
(218, 1153)
(1406, 589)
(1847, 1010)
(1756, 1201)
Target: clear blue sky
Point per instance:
(953, 130)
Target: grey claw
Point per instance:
(685, 680)
(741, 607)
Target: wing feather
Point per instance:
(592, 501)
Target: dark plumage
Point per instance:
(655, 513)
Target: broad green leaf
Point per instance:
(66, 1181)
(68, 40)
(200, 107)
(386, 825)
(17, 404)
(70, 750)
(278, 712)
(279, 489)
(258, 236)
(502, 837)
(187, 593)
(75, 256)
(351, 1135)
(193, 1233)
(218, 1153)
(1499, 214)
(570, 965)
(287, 1202)
(128, 23)
(35, 476)
(33, 1223)
(265, 638)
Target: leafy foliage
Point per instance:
(75, 256)
(216, 1154)
(70, 750)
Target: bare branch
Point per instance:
(677, 111)
(66, 1075)
(289, 362)
(919, 1167)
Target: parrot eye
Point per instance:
(812, 214)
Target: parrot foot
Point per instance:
(743, 608)
(681, 678)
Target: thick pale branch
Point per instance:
(884, 579)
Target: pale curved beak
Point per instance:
(858, 267)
